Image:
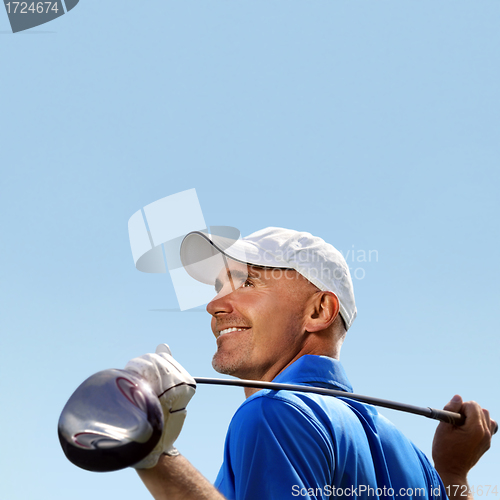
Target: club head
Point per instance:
(112, 421)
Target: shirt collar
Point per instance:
(316, 370)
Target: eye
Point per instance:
(248, 282)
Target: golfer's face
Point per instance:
(257, 318)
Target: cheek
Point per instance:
(272, 326)
(286, 318)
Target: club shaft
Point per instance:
(441, 415)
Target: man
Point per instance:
(284, 304)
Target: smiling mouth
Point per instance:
(230, 330)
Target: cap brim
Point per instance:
(202, 255)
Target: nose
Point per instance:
(221, 303)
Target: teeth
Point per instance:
(228, 330)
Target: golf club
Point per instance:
(113, 420)
(449, 417)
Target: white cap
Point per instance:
(274, 247)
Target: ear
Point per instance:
(322, 311)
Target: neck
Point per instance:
(249, 391)
(270, 375)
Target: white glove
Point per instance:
(174, 387)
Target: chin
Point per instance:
(221, 367)
(225, 365)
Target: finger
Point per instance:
(475, 415)
(163, 348)
(175, 365)
(455, 404)
(472, 411)
(146, 367)
(487, 417)
(491, 424)
(174, 427)
(493, 427)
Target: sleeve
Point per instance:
(278, 449)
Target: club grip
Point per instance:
(453, 418)
(449, 417)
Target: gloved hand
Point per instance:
(174, 387)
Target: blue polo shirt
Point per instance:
(285, 445)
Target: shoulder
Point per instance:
(279, 432)
(267, 405)
(283, 415)
(281, 426)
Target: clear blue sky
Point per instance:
(373, 124)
